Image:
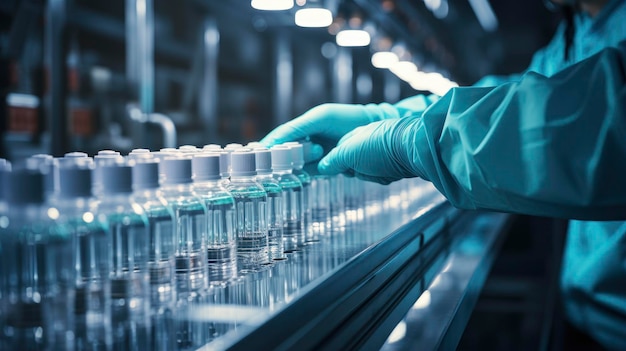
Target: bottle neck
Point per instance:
(242, 179)
(264, 175)
(214, 183)
(283, 171)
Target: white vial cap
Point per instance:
(205, 166)
(23, 186)
(75, 154)
(74, 179)
(242, 163)
(224, 164)
(297, 154)
(107, 159)
(108, 152)
(139, 151)
(254, 145)
(115, 179)
(281, 158)
(146, 174)
(263, 159)
(188, 149)
(176, 170)
(233, 146)
(44, 164)
(135, 154)
(211, 147)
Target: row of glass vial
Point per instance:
(71, 226)
(106, 238)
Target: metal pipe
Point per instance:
(167, 126)
(164, 122)
(140, 71)
(55, 46)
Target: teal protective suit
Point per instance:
(549, 142)
(593, 278)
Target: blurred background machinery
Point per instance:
(92, 75)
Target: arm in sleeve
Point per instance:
(542, 146)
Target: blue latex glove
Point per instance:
(374, 152)
(326, 124)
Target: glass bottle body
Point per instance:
(37, 289)
(221, 239)
(130, 276)
(251, 223)
(307, 219)
(161, 247)
(190, 238)
(275, 216)
(293, 224)
(92, 260)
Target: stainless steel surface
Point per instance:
(438, 317)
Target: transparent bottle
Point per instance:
(251, 213)
(36, 269)
(275, 200)
(162, 248)
(43, 163)
(162, 244)
(220, 204)
(128, 229)
(76, 210)
(337, 201)
(103, 158)
(189, 225)
(293, 225)
(305, 179)
(319, 198)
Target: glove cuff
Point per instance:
(407, 140)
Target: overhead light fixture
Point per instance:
(271, 5)
(352, 38)
(403, 70)
(433, 82)
(384, 59)
(314, 18)
(485, 15)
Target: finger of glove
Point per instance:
(374, 179)
(290, 131)
(350, 134)
(317, 151)
(333, 163)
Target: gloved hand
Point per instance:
(326, 124)
(379, 152)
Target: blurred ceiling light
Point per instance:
(403, 69)
(272, 5)
(301, 2)
(484, 14)
(432, 4)
(442, 10)
(433, 82)
(384, 59)
(314, 18)
(353, 37)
